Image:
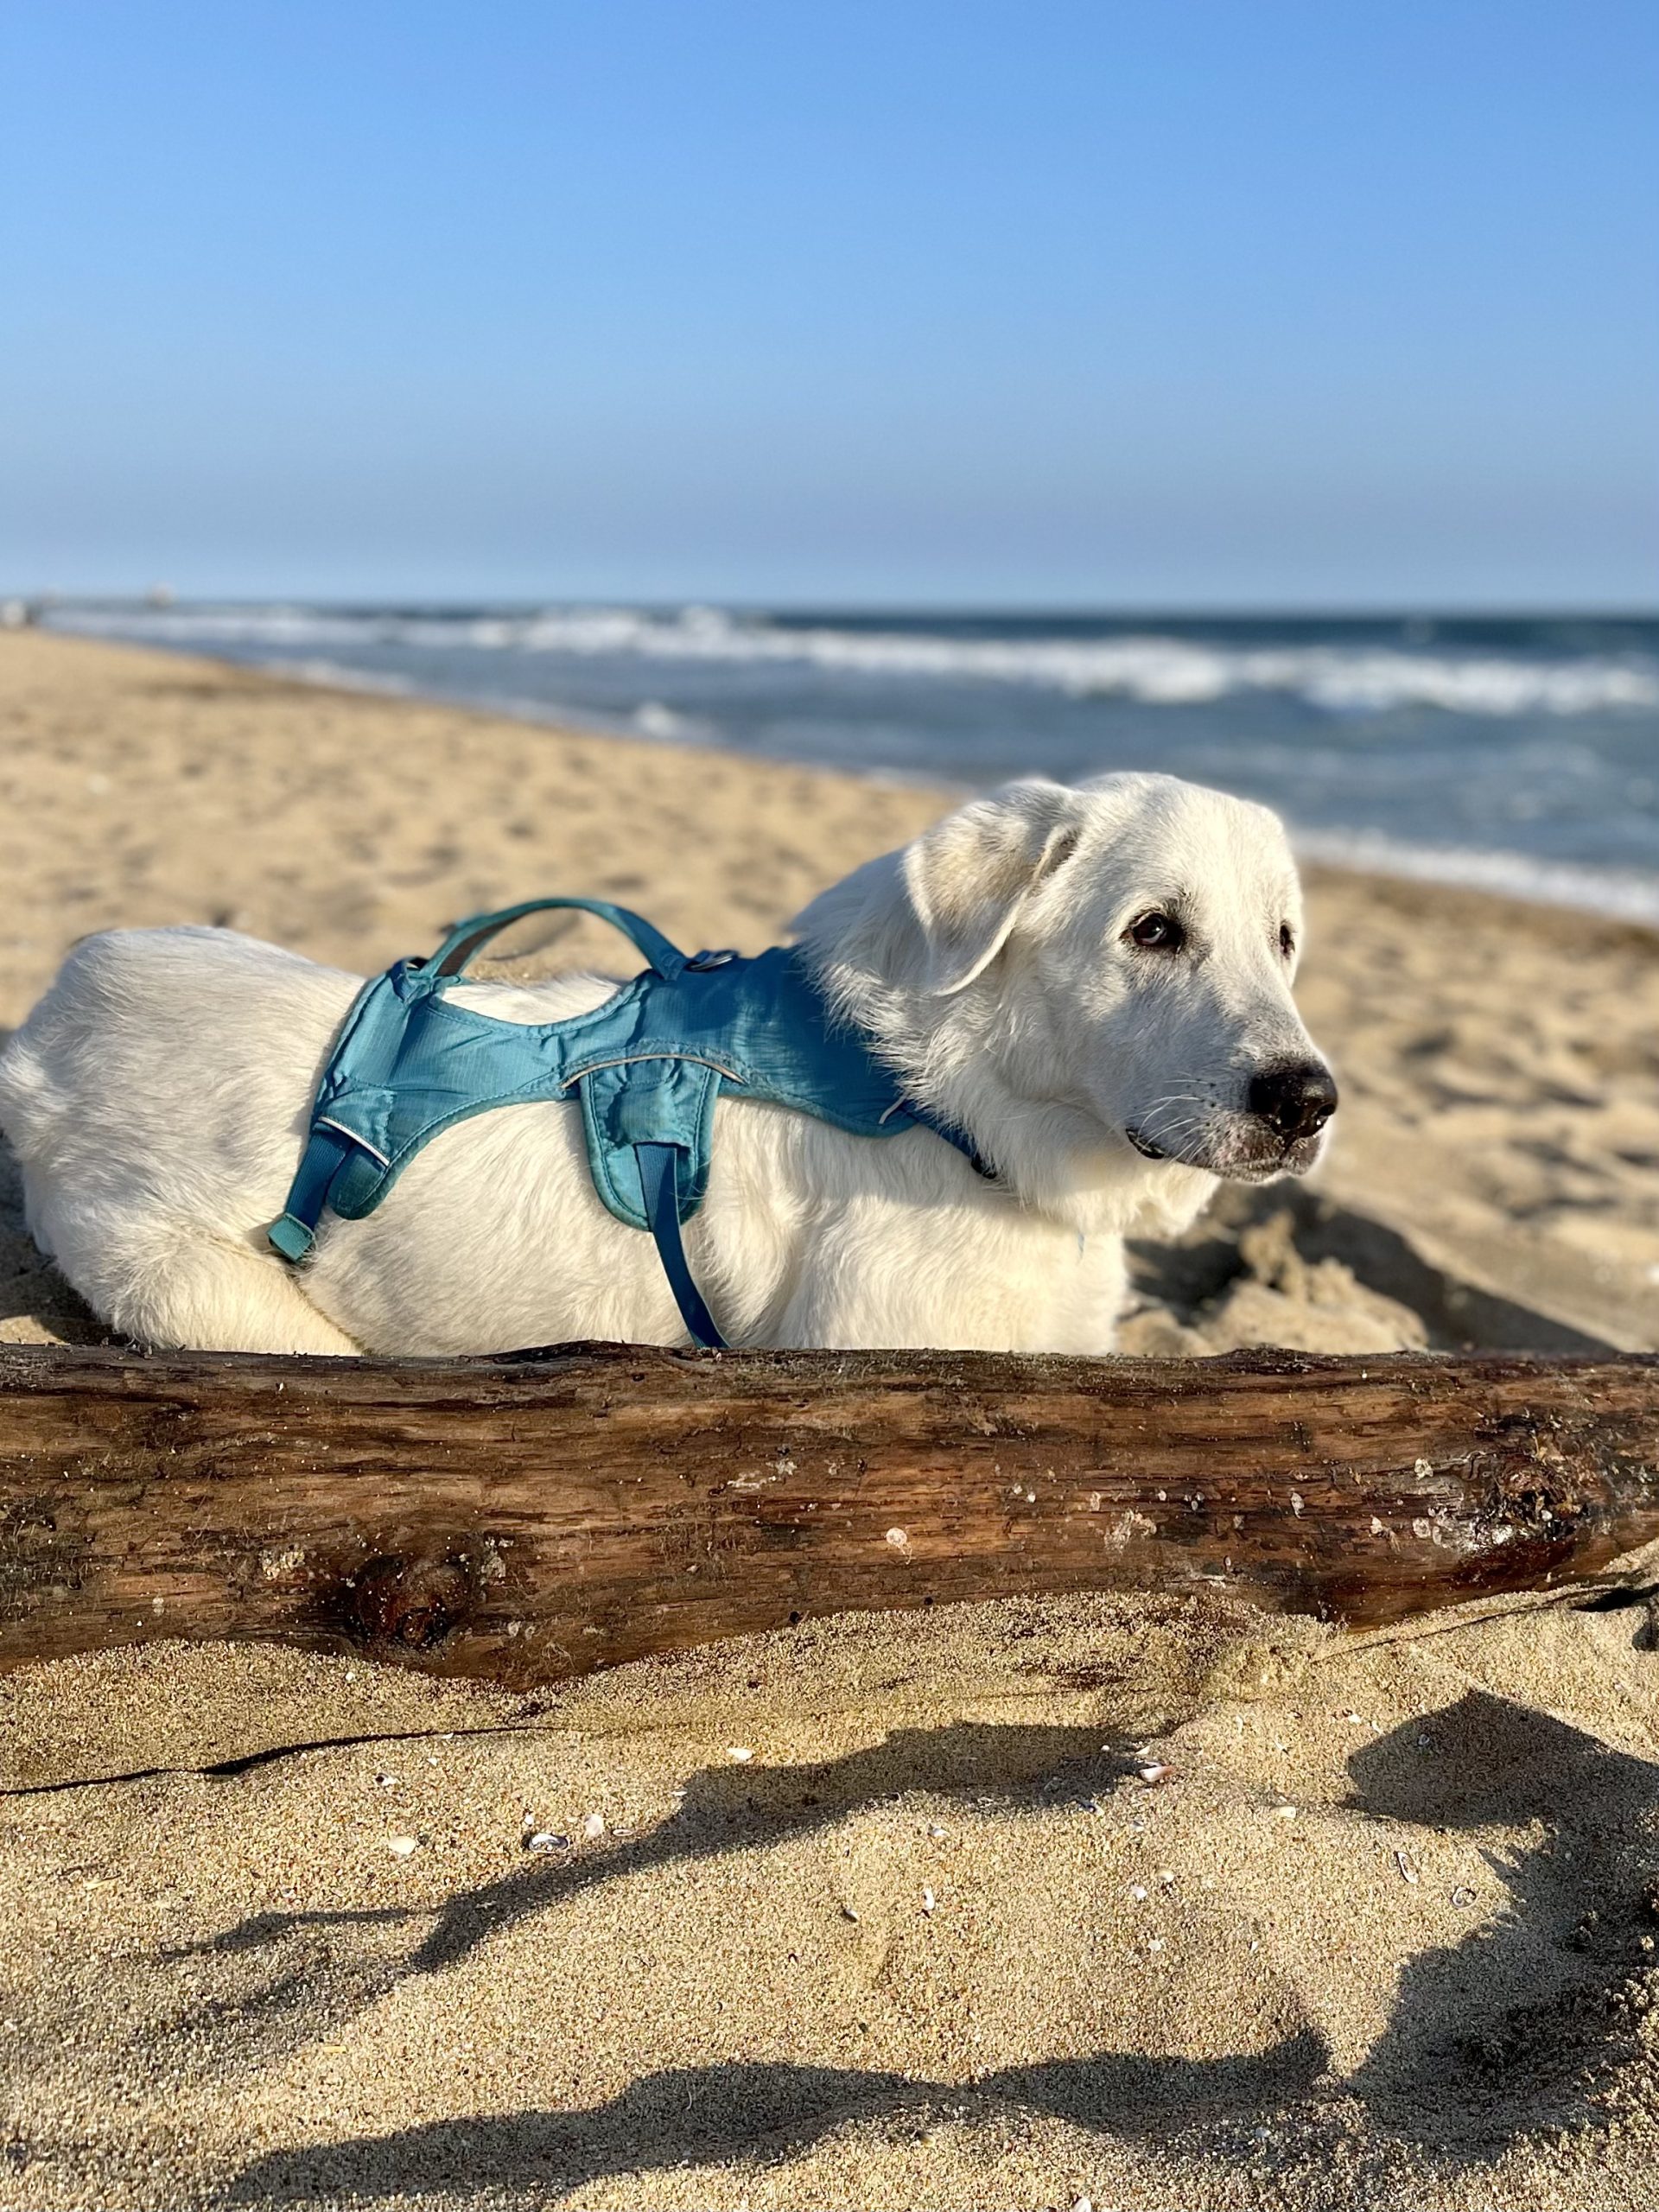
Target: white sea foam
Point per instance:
(196, 625)
(1624, 895)
(654, 719)
(1153, 670)
(339, 677)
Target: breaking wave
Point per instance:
(1622, 895)
(1152, 668)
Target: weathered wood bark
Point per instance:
(544, 1514)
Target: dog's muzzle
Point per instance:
(1278, 1132)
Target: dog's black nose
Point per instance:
(1294, 1101)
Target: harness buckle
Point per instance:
(699, 962)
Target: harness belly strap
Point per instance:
(659, 1167)
(648, 1066)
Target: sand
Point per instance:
(1378, 1930)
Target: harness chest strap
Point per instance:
(648, 1066)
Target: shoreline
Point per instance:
(1611, 894)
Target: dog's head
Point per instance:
(1096, 982)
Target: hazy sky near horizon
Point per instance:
(1199, 303)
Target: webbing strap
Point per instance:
(470, 936)
(659, 1180)
(294, 1231)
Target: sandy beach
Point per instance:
(1158, 1904)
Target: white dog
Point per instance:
(1093, 984)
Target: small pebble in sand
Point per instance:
(1083, 2204)
(1138, 1891)
(1462, 1894)
(1153, 1772)
(846, 1913)
(741, 1752)
(593, 1827)
(1407, 1872)
(928, 1900)
(1167, 1877)
(546, 1840)
(403, 1847)
(935, 1830)
(1284, 1812)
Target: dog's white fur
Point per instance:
(158, 1095)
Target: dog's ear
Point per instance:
(968, 877)
(935, 914)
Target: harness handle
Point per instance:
(469, 936)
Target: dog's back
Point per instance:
(141, 1095)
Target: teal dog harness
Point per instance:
(648, 1067)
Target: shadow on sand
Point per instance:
(1519, 2026)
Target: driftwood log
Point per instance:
(544, 1514)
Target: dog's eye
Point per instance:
(1157, 933)
(1287, 940)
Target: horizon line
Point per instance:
(161, 600)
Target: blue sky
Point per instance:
(1245, 302)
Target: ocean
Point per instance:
(1520, 754)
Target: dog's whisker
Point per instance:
(1177, 1122)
